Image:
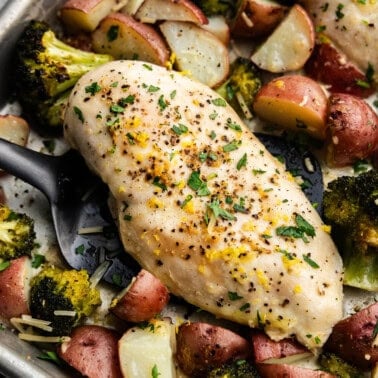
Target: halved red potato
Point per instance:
(144, 298)
(329, 65)
(269, 351)
(174, 10)
(14, 288)
(354, 338)
(218, 26)
(290, 371)
(199, 53)
(131, 7)
(84, 15)
(201, 346)
(125, 38)
(293, 102)
(257, 18)
(290, 44)
(148, 351)
(352, 130)
(93, 351)
(14, 129)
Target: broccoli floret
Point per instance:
(335, 365)
(17, 235)
(235, 369)
(45, 68)
(55, 289)
(225, 8)
(350, 207)
(241, 86)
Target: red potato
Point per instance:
(93, 351)
(202, 346)
(143, 299)
(174, 10)
(266, 350)
(131, 7)
(290, 371)
(14, 288)
(293, 102)
(257, 18)
(218, 26)
(125, 38)
(329, 65)
(290, 44)
(352, 130)
(354, 338)
(199, 53)
(14, 128)
(85, 15)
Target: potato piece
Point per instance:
(290, 371)
(354, 338)
(93, 351)
(125, 38)
(132, 7)
(352, 130)
(202, 346)
(84, 15)
(148, 352)
(145, 297)
(268, 351)
(293, 102)
(14, 288)
(257, 18)
(331, 66)
(14, 129)
(198, 52)
(218, 26)
(173, 10)
(290, 44)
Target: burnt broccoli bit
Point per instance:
(235, 369)
(333, 364)
(46, 69)
(242, 85)
(54, 290)
(17, 235)
(225, 8)
(350, 207)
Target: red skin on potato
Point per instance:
(14, 288)
(290, 371)
(146, 297)
(352, 130)
(93, 351)
(353, 337)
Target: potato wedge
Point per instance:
(173, 10)
(257, 18)
(352, 130)
(293, 102)
(199, 53)
(202, 346)
(290, 44)
(93, 351)
(125, 38)
(14, 288)
(131, 7)
(85, 15)
(144, 298)
(329, 65)
(14, 129)
(148, 352)
(218, 26)
(290, 371)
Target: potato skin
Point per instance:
(93, 351)
(290, 371)
(146, 297)
(352, 338)
(201, 346)
(352, 130)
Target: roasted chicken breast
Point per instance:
(201, 203)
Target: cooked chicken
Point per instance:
(201, 203)
(352, 25)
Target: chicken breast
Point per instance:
(201, 203)
(352, 25)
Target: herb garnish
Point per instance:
(299, 231)
(217, 211)
(112, 33)
(199, 186)
(4, 265)
(93, 88)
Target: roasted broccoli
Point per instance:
(225, 8)
(350, 207)
(63, 297)
(333, 364)
(235, 369)
(45, 69)
(241, 86)
(17, 235)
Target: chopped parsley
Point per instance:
(233, 296)
(199, 186)
(4, 265)
(162, 103)
(112, 33)
(49, 355)
(155, 372)
(242, 162)
(219, 102)
(157, 182)
(180, 129)
(299, 231)
(232, 146)
(79, 113)
(310, 262)
(233, 125)
(80, 249)
(93, 88)
(218, 212)
(37, 260)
